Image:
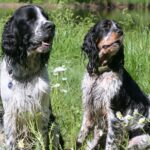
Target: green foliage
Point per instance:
(66, 53)
(146, 2)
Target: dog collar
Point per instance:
(103, 69)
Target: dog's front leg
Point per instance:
(44, 129)
(87, 124)
(113, 133)
(94, 144)
(1, 126)
(10, 131)
(88, 116)
(51, 132)
(48, 128)
(1, 117)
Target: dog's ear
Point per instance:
(9, 40)
(90, 49)
(89, 43)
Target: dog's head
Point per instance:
(28, 31)
(103, 46)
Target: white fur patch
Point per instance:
(40, 21)
(23, 96)
(100, 90)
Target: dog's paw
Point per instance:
(141, 142)
(78, 144)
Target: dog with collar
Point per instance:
(113, 103)
(24, 83)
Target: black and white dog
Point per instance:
(112, 101)
(24, 82)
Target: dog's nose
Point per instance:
(49, 26)
(119, 31)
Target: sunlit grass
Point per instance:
(67, 51)
(70, 31)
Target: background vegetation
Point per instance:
(72, 25)
(81, 1)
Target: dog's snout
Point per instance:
(49, 26)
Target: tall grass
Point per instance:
(67, 51)
(70, 31)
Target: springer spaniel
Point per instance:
(113, 103)
(24, 83)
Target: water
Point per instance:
(128, 19)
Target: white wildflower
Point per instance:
(142, 120)
(21, 144)
(101, 133)
(56, 85)
(64, 91)
(57, 135)
(64, 79)
(126, 124)
(59, 69)
(55, 74)
(128, 117)
(135, 112)
(119, 115)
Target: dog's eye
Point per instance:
(31, 19)
(105, 46)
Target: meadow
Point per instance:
(71, 27)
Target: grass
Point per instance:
(71, 29)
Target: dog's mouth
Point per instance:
(117, 42)
(42, 46)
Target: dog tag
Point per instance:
(10, 85)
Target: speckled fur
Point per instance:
(29, 96)
(24, 82)
(97, 94)
(112, 92)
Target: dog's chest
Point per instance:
(99, 90)
(23, 96)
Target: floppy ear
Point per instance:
(9, 41)
(90, 49)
